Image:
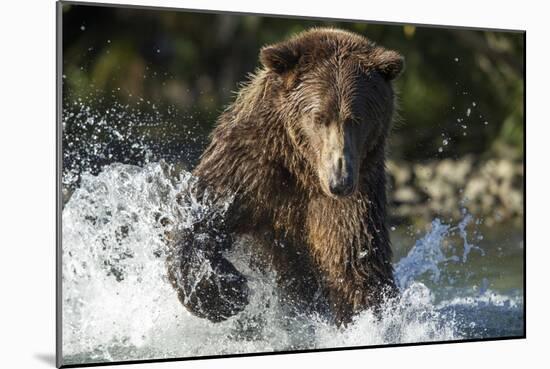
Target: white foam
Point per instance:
(118, 304)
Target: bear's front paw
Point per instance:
(218, 293)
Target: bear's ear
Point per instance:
(279, 58)
(389, 63)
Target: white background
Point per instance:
(27, 180)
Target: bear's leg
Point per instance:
(207, 284)
(355, 296)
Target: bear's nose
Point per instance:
(341, 184)
(341, 188)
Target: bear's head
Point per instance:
(333, 93)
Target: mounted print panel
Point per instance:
(237, 184)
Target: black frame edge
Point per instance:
(59, 171)
(525, 184)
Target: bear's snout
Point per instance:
(341, 186)
(341, 178)
(338, 160)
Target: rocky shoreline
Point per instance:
(492, 190)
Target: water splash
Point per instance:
(118, 304)
(425, 256)
(121, 133)
(468, 247)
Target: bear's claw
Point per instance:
(207, 284)
(219, 295)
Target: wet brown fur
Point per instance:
(259, 150)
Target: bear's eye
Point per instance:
(321, 118)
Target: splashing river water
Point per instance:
(118, 304)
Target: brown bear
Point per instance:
(302, 152)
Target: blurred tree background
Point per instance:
(462, 91)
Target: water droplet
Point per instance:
(82, 27)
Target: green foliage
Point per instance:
(461, 87)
